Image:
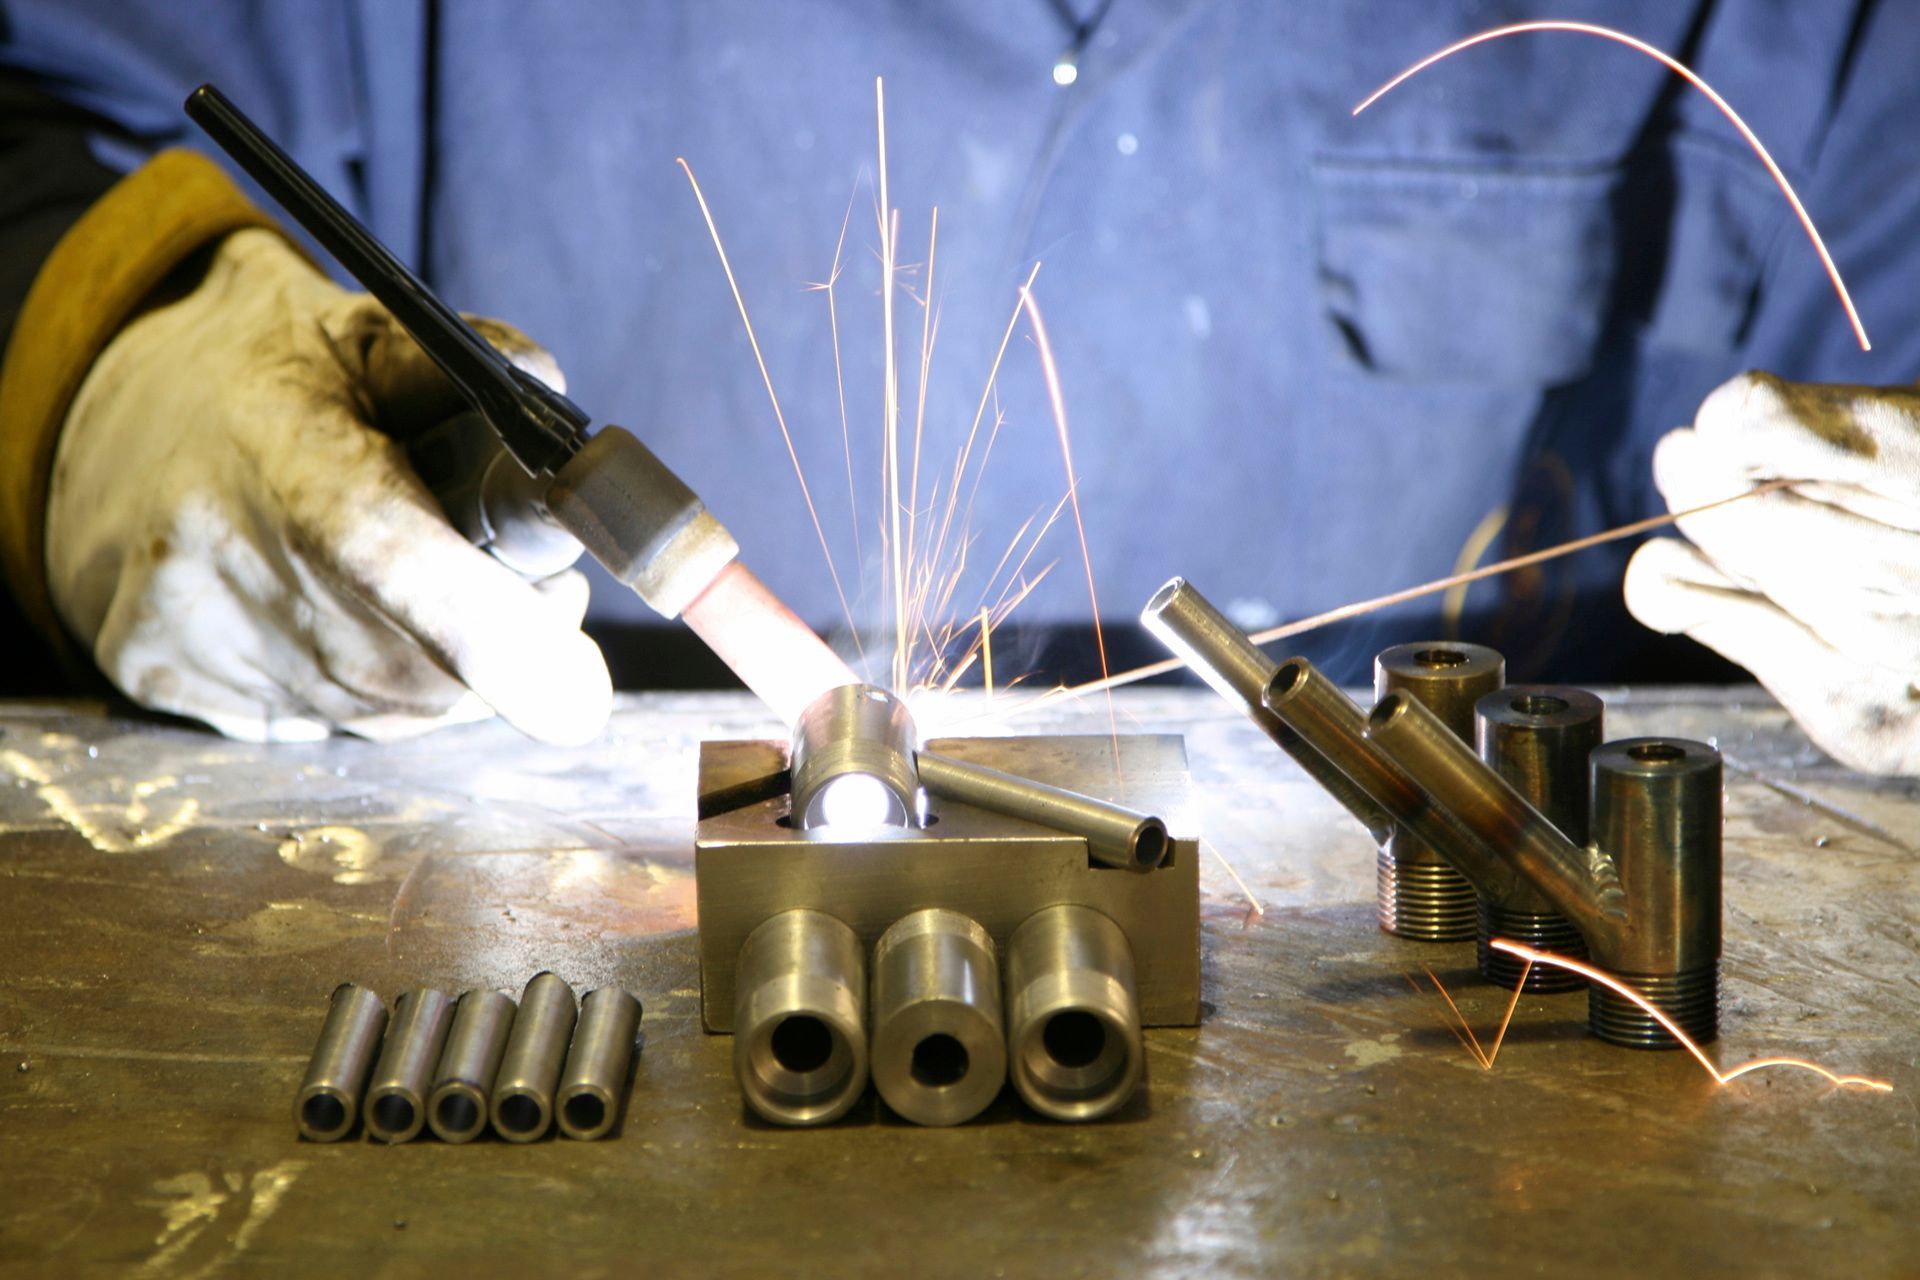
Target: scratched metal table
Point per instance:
(176, 909)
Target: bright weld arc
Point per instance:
(1672, 1028)
(1686, 73)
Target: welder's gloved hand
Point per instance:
(1815, 590)
(235, 541)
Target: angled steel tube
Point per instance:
(1202, 637)
(1116, 836)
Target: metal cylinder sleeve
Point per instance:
(397, 1095)
(463, 1084)
(1657, 814)
(530, 1067)
(939, 1053)
(1073, 1014)
(329, 1099)
(1418, 894)
(799, 1018)
(595, 1079)
(1538, 738)
(853, 761)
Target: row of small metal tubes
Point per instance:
(453, 1068)
(946, 1031)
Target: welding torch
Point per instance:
(523, 479)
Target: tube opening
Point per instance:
(584, 1112)
(392, 1113)
(1440, 659)
(939, 1060)
(458, 1113)
(801, 1043)
(1539, 704)
(1656, 752)
(1149, 845)
(1074, 1039)
(1387, 708)
(521, 1113)
(323, 1113)
(1161, 599)
(1290, 674)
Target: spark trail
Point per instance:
(1691, 77)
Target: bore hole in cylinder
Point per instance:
(1387, 708)
(1538, 704)
(1149, 845)
(801, 1043)
(458, 1113)
(1438, 658)
(1074, 1038)
(323, 1113)
(1656, 753)
(519, 1114)
(939, 1060)
(585, 1112)
(1289, 675)
(393, 1113)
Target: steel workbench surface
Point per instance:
(176, 909)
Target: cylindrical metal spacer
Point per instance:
(852, 759)
(463, 1084)
(1073, 1014)
(939, 1053)
(397, 1096)
(530, 1068)
(800, 1018)
(1691, 999)
(329, 1099)
(595, 1080)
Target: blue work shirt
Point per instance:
(1305, 357)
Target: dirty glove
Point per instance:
(234, 540)
(1816, 589)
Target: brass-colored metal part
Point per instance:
(1073, 1015)
(939, 1049)
(402, 1079)
(463, 1083)
(1239, 670)
(329, 1099)
(530, 1069)
(751, 864)
(1538, 737)
(799, 1018)
(1418, 893)
(855, 731)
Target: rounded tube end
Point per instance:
(1074, 1050)
(1150, 844)
(521, 1114)
(457, 1112)
(806, 1067)
(586, 1111)
(324, 1113)
(395, 1114)
(1161, 600)
(940, 1062)
(852, 760)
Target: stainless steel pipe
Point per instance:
(595, 1079)
(463, 1083)
(1538, 738)
(1116, 835)
(852, 760)
(799, 1023)
(329, 1099)
(397, 1095)
(530, 1067)
(939, 1053)
(1239, 671)
(1074, 1050)
(1418, 893)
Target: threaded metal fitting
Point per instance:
(1541, 930)
(1424, 901)
(1691, 999)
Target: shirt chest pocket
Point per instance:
(1464, 272)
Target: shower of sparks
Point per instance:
(1720, 1078)
(839, 380)
(1685, 72)
(779, 415)
(890, 411)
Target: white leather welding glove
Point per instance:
(235, 541)
(1813, 589)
